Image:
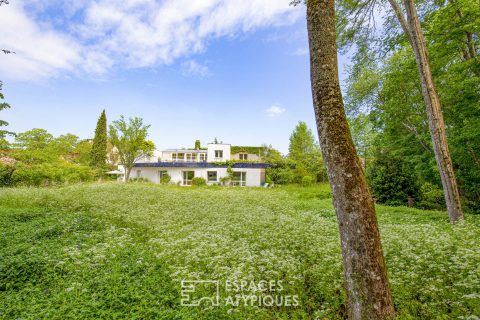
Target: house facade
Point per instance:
(209, 163)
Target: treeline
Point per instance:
(387, 110)
(303, 164)
(37, 158)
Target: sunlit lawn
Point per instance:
(121, 251)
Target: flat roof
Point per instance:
(185, 150)
(236, 165)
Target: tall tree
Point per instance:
(3, 105)
(302, 142)
(129, 139)
(413, 30)
(368, 290)
(98, 154)
(305, 153)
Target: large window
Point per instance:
(212, 176)
(191, 157)
(218, 154)
(239, 178)
(187, 177)
(243, 156)
(203, 157)
(161, 173)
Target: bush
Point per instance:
(307, 181)
(431, 197)
(197, 181)
(139, 180)
(6, 172)
(50, 173)
(391, 180)
(165, 179)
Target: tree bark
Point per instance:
(434, 115)
(366, 281)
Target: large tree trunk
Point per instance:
(368, 291)
(434, 115)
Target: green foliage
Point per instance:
(302, 143)
(305, 155)
(121, 250)
(3, 123)
(46, 174)
(139, 180)
(307, 181)
(246, 149)
(197, 145)
(388, 89)
(165, 179)
(199, 181)
(42, 159)
(6, 172)
(431, 197)
(130, 139)
(392, 180)
(35, 139)
(98, 153)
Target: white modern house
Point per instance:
(210, 163)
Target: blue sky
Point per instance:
(235, 70)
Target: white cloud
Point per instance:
(40, 51)
(275, 111)
(192, 67)
(101, 34)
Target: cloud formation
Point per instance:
(274, 111)
(194, 68)
(94, 36)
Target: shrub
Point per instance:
(165, 179)
(6, 172)
(392, 180)
(139, 180)
(307, 181)
(50, 173)
(431, 197)
(197, 181)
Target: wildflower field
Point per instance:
(113, 251)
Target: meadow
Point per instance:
(113, 251)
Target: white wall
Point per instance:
(250, 157)
(255, 177)
(211, 147)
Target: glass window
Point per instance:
(203, 157)
(190, 157)
(212, 175)
(174, 157)
(187, 177)
(139, 173)
(181, 156)
(218, 154)
(161, 173)
(243, 156)
(239, 178)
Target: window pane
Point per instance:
(212, 175)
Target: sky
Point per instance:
(237, 70)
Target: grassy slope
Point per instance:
(114, 251)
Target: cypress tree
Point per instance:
(98, 154)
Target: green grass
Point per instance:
(120, 251)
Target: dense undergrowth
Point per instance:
(121, 251)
